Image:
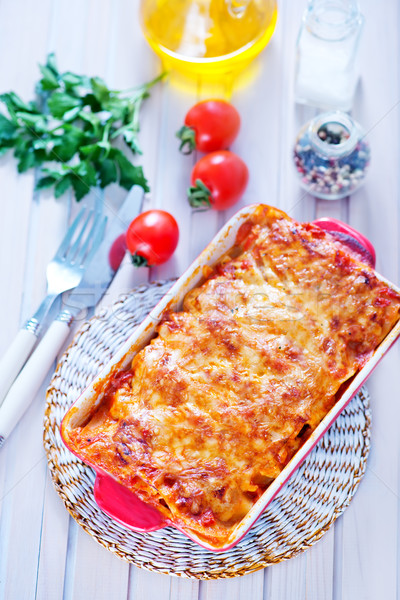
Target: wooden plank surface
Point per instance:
(44, 554)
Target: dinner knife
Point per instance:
(97, 278)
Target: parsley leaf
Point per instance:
(30, 158)
(62, 185)
(130, 137)
(35, 122)
(92, 122)
(83, 177)
(5, 146)
(100, 90)
(52, 64)
(107, 170)
(129, 175)
(49, 80)
(70, 131)
(71, 81)
(14, 103)
(7, 129)
(60, 102)
(68, 143)
(46, 182)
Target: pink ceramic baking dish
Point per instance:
(119, 502)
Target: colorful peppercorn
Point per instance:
(331, 156)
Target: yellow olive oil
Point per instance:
(208, 37)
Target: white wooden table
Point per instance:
(43, 552)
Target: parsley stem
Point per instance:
(144, 87)
(106, 132)
(135, 116)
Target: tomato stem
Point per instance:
(187, 136)
(139, 261)
(199, 194)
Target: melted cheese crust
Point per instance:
(219, 401)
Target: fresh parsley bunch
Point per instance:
(74, 123)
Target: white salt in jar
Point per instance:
(326, 64)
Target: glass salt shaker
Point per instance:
(326, 62)
(331, 155)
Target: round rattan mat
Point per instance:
(316, 494)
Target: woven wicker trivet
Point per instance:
(303, 511)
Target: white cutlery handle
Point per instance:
(25, 387)
(14, 359)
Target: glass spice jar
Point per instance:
(326, 58)
(331, 155)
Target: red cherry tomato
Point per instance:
(152, 238)
(218, 180)
(209, 125)
(117, 251)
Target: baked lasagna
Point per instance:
(216, 404)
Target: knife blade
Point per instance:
(99, 273)
(97, 278)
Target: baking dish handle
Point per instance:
(124, 506)
(350, 237)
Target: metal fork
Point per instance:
(63, 273)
